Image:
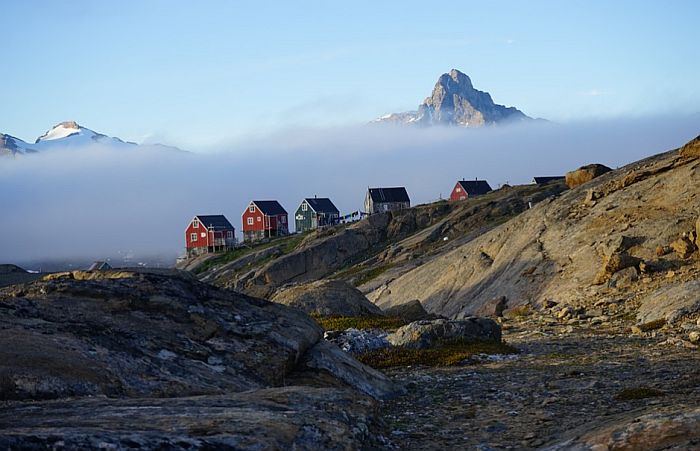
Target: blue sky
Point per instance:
(196, 74)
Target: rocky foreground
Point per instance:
(123, 359)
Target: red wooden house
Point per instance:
(264, 219)
(468, 188)
(209, 233)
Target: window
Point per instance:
(229, 235)
(203, 234)
(250, 221)
(258, 218)
(386, 207)
(459, 190)
(283, 219)
(195, 224)
(251, 209)
(304, 206)
(193, 237)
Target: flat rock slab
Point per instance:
(277, 418)
(671, 302)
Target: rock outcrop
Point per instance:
(409, 311)
(428, 333)
(327, 298)
(585, 174)
(554, 250)
(124, 341)
(691, 149)
(454, 101)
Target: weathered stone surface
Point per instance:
(132, 349)
(327, 298)
(424, 334)
(275, 418)
(357, 341)
(409, 311)
(624, 278)
(683, 247)
(614, 263)
(495, 307)
(326, 356)
(669, 430)
(691, 149)
(585, 174)
(670, 302)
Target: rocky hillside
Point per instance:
(126, 359)
(369, 251)
(571, 248)
(454, 101)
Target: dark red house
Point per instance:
(264, 219)
(465, 189)
(209, 233)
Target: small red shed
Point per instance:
(468, 188)
(264, 219)
(209, 233)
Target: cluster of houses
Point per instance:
(265, 219)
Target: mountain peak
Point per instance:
(455, 101)
(60, 130)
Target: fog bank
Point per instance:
(95, 202)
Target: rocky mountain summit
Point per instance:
(455, 101)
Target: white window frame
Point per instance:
(195, 224)
(203, 234)
(304, 207)
(259, 219)
(459, 190)
(193, 237)
(283, 219)
(250, 221)
(229, 234)
(251, 209)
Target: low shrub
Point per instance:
(447, 353)
(359, 322)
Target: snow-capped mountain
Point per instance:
(454, 101)
(67, 135)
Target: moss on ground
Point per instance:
(630, 394)
(448, 353)
(359, 322)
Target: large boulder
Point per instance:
(409, 311)
(327, 298)
(617, 261)
(585, 174)
(428, 333)
(692, 148)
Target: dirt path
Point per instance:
(559, 382)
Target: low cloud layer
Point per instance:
(97, 202)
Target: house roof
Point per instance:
(397, 194)
(475, 187)
(270, 207)
(218, 222)
(99, 266)
(547, 179)
(321, 205)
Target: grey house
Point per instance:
(378, 200)
(314, 213)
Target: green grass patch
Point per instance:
(630, 394)
(448, 353)
(359, 322)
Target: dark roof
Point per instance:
(543, 180)
(475, 187)
(218, 222)
(270, 207)
(322, 205)
(398, 194)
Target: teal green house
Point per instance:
(315, 212)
